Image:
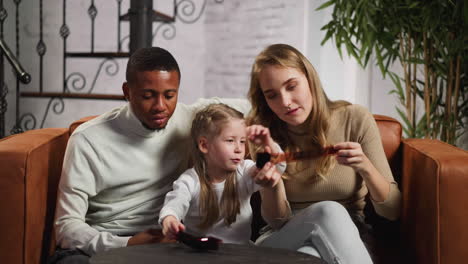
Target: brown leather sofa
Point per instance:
(432, 175)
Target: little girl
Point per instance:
(213, 197)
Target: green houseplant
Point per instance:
(429, 38)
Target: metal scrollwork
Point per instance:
(41, 48)
(58, 106)
(26, 122)
(186, 11)
(125, 40)
(92, 11)
(3, 15)
(3, 101)
(168, 31)
(64, 31)
(112, 68)
(16, 130)
(78, 80)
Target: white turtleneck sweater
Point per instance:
(116, 174)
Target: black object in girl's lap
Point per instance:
(199, 243)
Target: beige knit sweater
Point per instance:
(342, 184)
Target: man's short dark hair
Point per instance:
(150, 59)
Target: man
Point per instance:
(119, 166)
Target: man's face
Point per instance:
(153, 97)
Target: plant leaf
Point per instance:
(325, 5)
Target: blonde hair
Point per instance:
(285, 56)
(208, 123)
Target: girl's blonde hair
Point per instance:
(283, 55)
(208, 123)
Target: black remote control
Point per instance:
(199, 243)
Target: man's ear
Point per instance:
(125, 90)
(203, 145)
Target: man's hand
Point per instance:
(172, 226)
(149, 236)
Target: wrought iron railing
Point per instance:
(21, 75)
(75, 85)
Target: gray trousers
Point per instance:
(325, 230)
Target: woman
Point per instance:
(287, 97)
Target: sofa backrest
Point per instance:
(390, 132)
(389, 128)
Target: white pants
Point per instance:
(324, 229)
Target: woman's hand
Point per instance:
(351, 154)
(268, 176)
(171, 227)
(260, 135)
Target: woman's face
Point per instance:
(287, 93)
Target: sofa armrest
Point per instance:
(434, 209)
(31, 165)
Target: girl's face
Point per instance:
(224, 152)
(287, 93)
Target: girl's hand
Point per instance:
(171, 227)
(260, 135)
(351, 154)
(268, 176)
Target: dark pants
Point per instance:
(68, 256)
